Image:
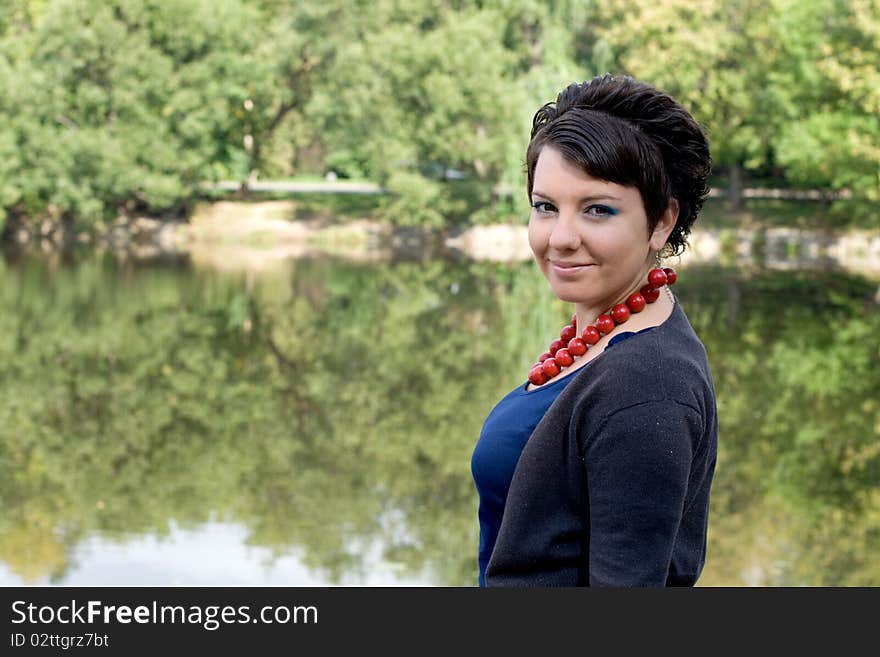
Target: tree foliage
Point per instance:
(115, 106)
(784, 87)
(118, 106)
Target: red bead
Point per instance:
(605, 324)
(635, 302)
(550, 367)
(555, 346)
(563, 357)
(567, 334)
(671, 276)
(591, 334)
(578, 347)
(574, 320)
(537, 376)
(544, 357)
(657, 277)
(650, 293)
(620, 313)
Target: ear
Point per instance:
(664, 226)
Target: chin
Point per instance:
(565, 294)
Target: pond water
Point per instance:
(163, 424)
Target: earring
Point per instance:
(668, 291)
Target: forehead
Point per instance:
(561, 179)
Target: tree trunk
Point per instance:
(735, 188)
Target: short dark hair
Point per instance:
(630, 133)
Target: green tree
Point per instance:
(782, 86)
(832, 140)
(419, 106)
(111, 107)
(712, 56)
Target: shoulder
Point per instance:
(666, 368)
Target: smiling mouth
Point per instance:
(558, 265)
(572, 272)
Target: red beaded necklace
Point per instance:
(568, 346)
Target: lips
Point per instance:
(567, 265)
(570, 269)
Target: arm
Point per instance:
(637, 467)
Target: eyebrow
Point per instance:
(598, 197)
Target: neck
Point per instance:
(654, 314)
(587, 314)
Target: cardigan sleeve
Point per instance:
(637, 467)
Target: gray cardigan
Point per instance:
(612, 488)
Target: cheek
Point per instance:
(614, 242)
(537, 241)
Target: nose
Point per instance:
(564, 235)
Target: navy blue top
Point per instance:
(502, 439)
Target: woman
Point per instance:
(597, 470)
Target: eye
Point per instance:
(543, 207)
(601, 211)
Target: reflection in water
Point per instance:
(322, 418)
(214, 554)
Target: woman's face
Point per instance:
(598, 225)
